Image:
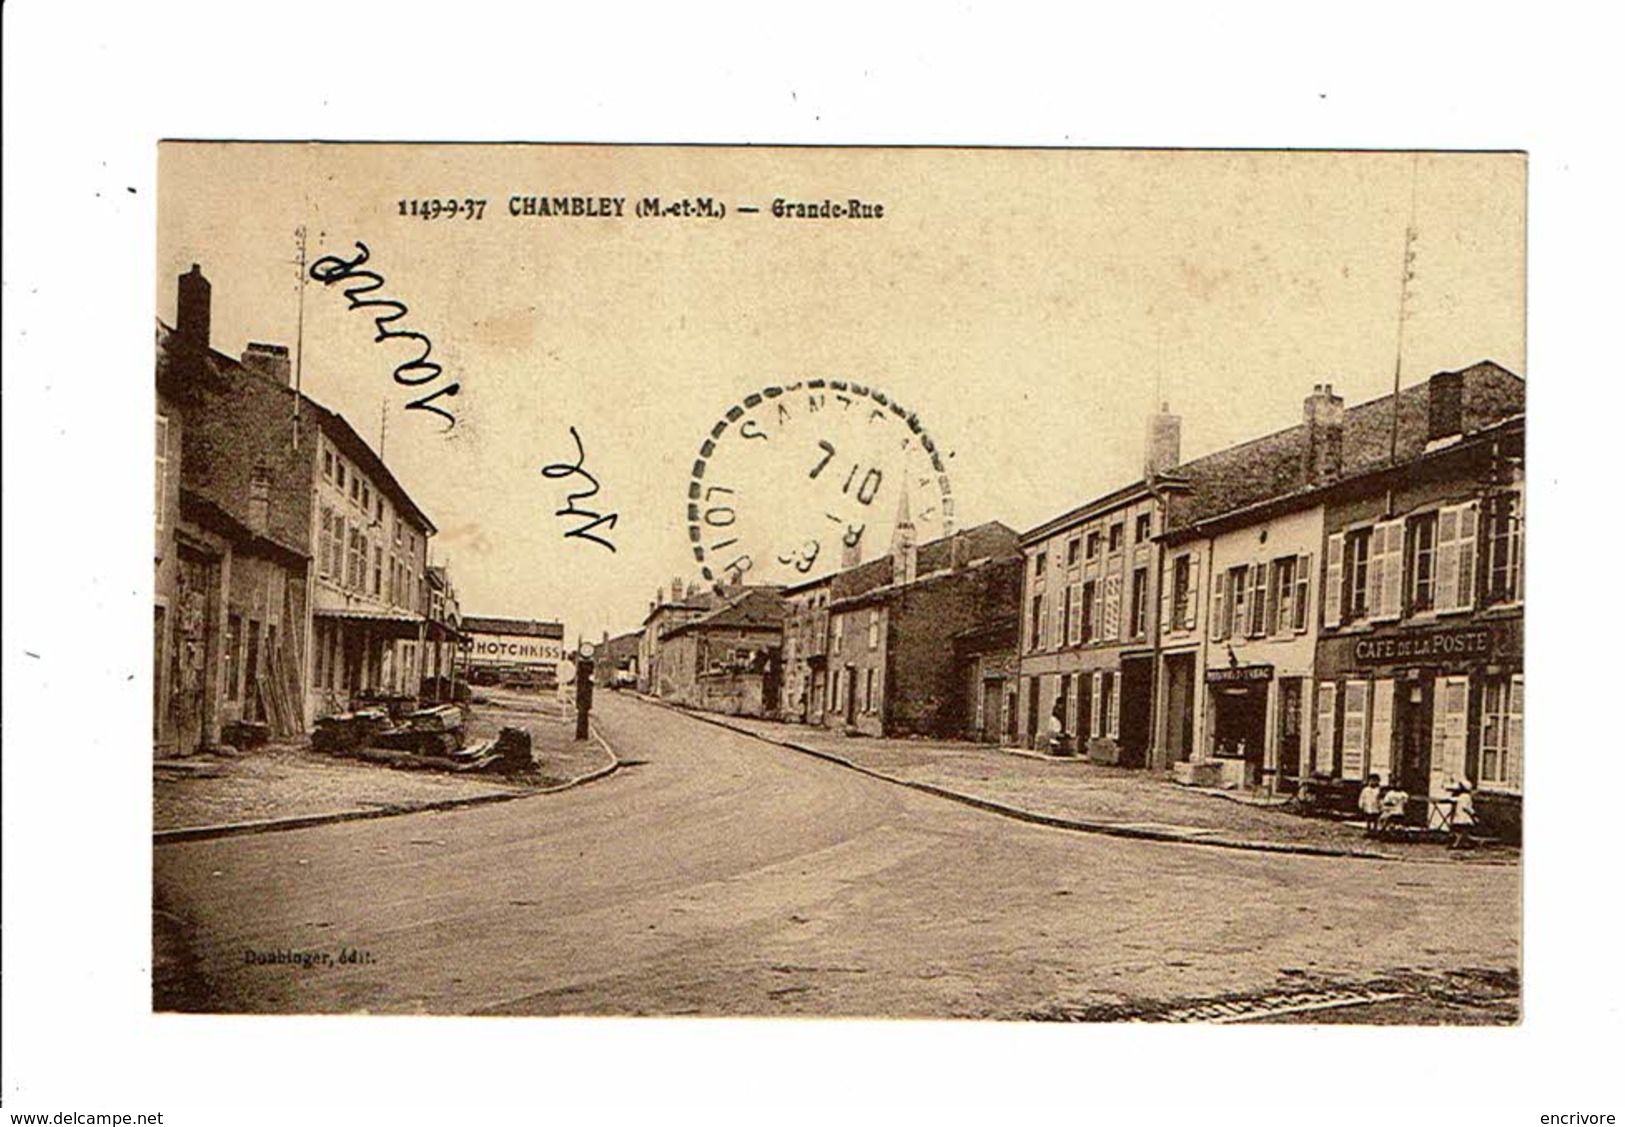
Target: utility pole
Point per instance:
(1406, 275)
(299, 341)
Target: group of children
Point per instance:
(1383, 808)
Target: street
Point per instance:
(718, 874)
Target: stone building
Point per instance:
(727, 659)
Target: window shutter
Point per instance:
(1114, 606)
(1388, 576)
(1325, 726)
(1447, 560)
(1219, 619)
(1094, 705)
(1075, 625)
(1300, 596)
(1467, 560)
(1242, 626)
(1272, 601)
(1097, 619)
(1355, 706)
(1382, 729)
(1117, 692)
(1166, 601)
(1192, 601)
(1449, 759)
(1332, 592)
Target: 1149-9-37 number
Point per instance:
(443, 209)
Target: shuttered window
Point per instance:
(1094, 705)
(1457, 558)
(1109, 687)
(1241, 591)
(1332, 592)
(1355, 706)
(1088, 609)
(1449, 759)
(1504, 573)
(1258, 604)
(1074, 633)
(1325, 726)
(1382, 729)
(1218, 619)
(1300, 603)
(1387, 570)
(1111, 626)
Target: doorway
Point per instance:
(1134, 713)
(1415, 722)
(1034, 737)
(992, 698)
(1289, 741)
(1181, 706)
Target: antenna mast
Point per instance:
(299, 341)
(1406, 274)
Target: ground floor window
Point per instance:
(1500, 758)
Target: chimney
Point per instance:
(192, 308)
(1444, 406)
(1161, 443)
(677, 589)
(905, 550)
(259, 499)
(269, 360)
(1323, 421)
(851, 554)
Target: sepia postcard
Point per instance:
(1053, 585)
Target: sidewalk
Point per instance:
(286, 781)
(1106, 799)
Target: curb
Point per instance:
(304, 821)
(1109, 829)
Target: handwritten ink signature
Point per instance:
(557, 470)
(331, 269)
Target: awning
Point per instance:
(394, 623)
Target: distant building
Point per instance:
(615, 662)
(727, 659)
(806, 650)
(513, 649)
(892, 665)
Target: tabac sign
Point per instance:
(516, 649)
(1421, 646)
(1243, 673)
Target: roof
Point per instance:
(526, 627)
(333, 424)
(758, 608)
(983, 541)
(1273, 466)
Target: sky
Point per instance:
(1031, 306)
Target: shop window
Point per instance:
(1114, 538)
(1142, 528)
(1505, 549)
(1421, 562)
(1138, 594)
(1500, 757)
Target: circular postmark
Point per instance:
(797, 481)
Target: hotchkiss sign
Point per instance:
(1422, 646)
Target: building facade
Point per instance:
(1419, 668)
(1090, 594)
(892, 667)
(728, 659)
(806, 650)
(513, 650)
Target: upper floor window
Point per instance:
(1074, 549)
(1086, 612)
(1035, 626)
(1040, 564)
(874, 628)
(327, 464)
(161, 468)
(1504, 546)
(1181, 593)
(1142, 528)
(1091, 546)
(1137, 604)
(1421, 562)
(366, 497)
(340, 475)
(1114, 537)
(1357, 562)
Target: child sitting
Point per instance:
(1393, 808)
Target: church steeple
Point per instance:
(905, 553)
